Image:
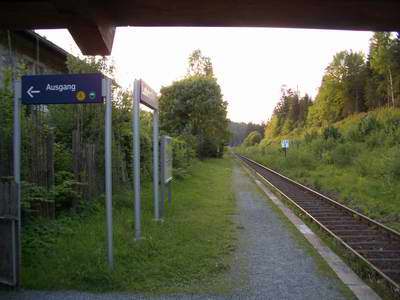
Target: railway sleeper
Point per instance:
(314, 205)
(374, 254)
(394, 274)
(361, 232)
(366, 238)
(337, 219)
(386, 263)
(372, 245)
(325, 215)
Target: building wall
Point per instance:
(33, 54)
(31, 51)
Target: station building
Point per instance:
(27, 49)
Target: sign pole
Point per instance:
(136, 156)
(162, 154)
(17, 174)
(170, 192)
(155, 166)
(108, 175)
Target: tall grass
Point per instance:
(357, 161)
(189, 251)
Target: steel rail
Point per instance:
(360, 218)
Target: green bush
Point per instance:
(393, 163)
(361, 166)
(367, 125)
(331, 133)
(344, 154)
(65, 194)
(33, 193)
(183, 154)
(252, 139)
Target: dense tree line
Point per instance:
(239, 131)
(352, 83)
(193, 110)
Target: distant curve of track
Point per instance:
(374, 243)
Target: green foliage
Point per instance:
(199, 65)
(183, 155)
(239, 131)
(33, 193)
(189, 252)
(342, 89)
(193, 108)
(253, 138)
(357, 160)
(290, 112)
(331, 133)
(367, 125)
(65, 193)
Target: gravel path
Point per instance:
(269, 263)
(277, 266)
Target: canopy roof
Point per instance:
(92, 23)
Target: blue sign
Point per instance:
(62, 89)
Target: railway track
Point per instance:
(374, 243)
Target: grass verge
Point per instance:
(188, 252)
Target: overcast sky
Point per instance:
(251, 64)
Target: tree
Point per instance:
(239, 131)
(253, 138)
(287, 112)
(199, 65)
(382, 60)
(193, 108)
(342, 89)
(304, 105)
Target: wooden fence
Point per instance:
(8, 232)
(8, 199)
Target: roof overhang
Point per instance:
(92, 23)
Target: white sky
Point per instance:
(251, 64)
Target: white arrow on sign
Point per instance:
(31, 92)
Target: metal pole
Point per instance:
(162, 181)
(155, 166)
(136, 155)
(170, 192)
(17, 170)
(108, 175)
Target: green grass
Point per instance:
(189, 251)
(361, 168)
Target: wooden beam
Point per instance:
(92, 23)
(95, 34)
(94, 39)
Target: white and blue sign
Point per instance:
(285, 144)
(62, 89)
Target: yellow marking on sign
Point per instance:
(81, 96)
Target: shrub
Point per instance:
(310, 136)
(353, 133)
(343, 154)
(331, 133)
(252, 139)
(393, 163)
(32, 193)
(66, 192)
(183, 154)
(367, 125)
